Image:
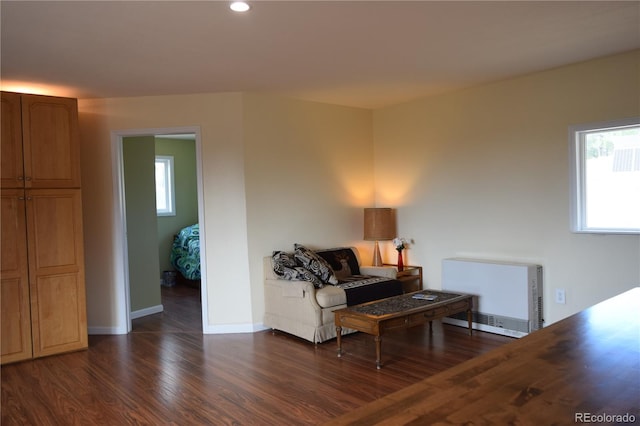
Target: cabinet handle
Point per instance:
(27, 178)
(21, 198)
(29, 198)
(20, 177)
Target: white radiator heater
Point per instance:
(508, 296)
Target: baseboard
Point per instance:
(106, 330)
(146, 311)
(234, 328)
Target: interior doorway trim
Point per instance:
(121, 255)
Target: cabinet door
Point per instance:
(15, 317)
(56, 270)
(11, 167)
(50, 142)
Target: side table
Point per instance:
(410, 276)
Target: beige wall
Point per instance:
(484, 173)
(309, 173)
(276, 171)
(220, 121)
(481, 172)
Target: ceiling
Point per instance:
(366, 54)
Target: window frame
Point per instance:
(169, 179)
(577, 157)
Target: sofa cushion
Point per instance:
(330, 296)
(314, 263)
(343, 261)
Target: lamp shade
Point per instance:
(379, 224)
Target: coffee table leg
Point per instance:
(339, 339)
(378, 340)
(469, 320)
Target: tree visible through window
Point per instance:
(165, 197)
(606, 178)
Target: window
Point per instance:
(606, 177)
(165, 191)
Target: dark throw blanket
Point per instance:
(362, 288)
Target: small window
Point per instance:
(165, 191)
(606, 177)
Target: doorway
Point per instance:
(122, 240)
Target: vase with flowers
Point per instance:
(400, 244)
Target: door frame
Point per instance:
(121, 254)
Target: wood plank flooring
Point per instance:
(182, 313)
(167, 372)
(582, 369)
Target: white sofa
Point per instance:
(299, 308)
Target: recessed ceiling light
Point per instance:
(240, 6)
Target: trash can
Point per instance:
(168, 278)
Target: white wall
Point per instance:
(484, 173)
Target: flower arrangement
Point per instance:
(400, 243)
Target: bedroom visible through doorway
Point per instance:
(148, 292)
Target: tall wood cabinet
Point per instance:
(42, 261)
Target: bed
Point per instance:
(185, 252)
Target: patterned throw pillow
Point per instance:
(314, 263)
(303, 274)
(284, 265)
(283, 259)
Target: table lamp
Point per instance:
(379, 225)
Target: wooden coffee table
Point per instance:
(399, 312)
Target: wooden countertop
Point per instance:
(584, 366)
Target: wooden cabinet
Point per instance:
(56, 270)
(42, 274)
(40, 146)
(11, 162)
(16, 319)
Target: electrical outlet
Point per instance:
(560, 296)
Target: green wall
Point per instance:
(140, 199)
(184, 161)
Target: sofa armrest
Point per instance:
(380, 271)
(292, 288)
(277, 290)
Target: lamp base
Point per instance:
(377, 259)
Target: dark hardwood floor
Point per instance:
(167, 372)
(182, 313)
